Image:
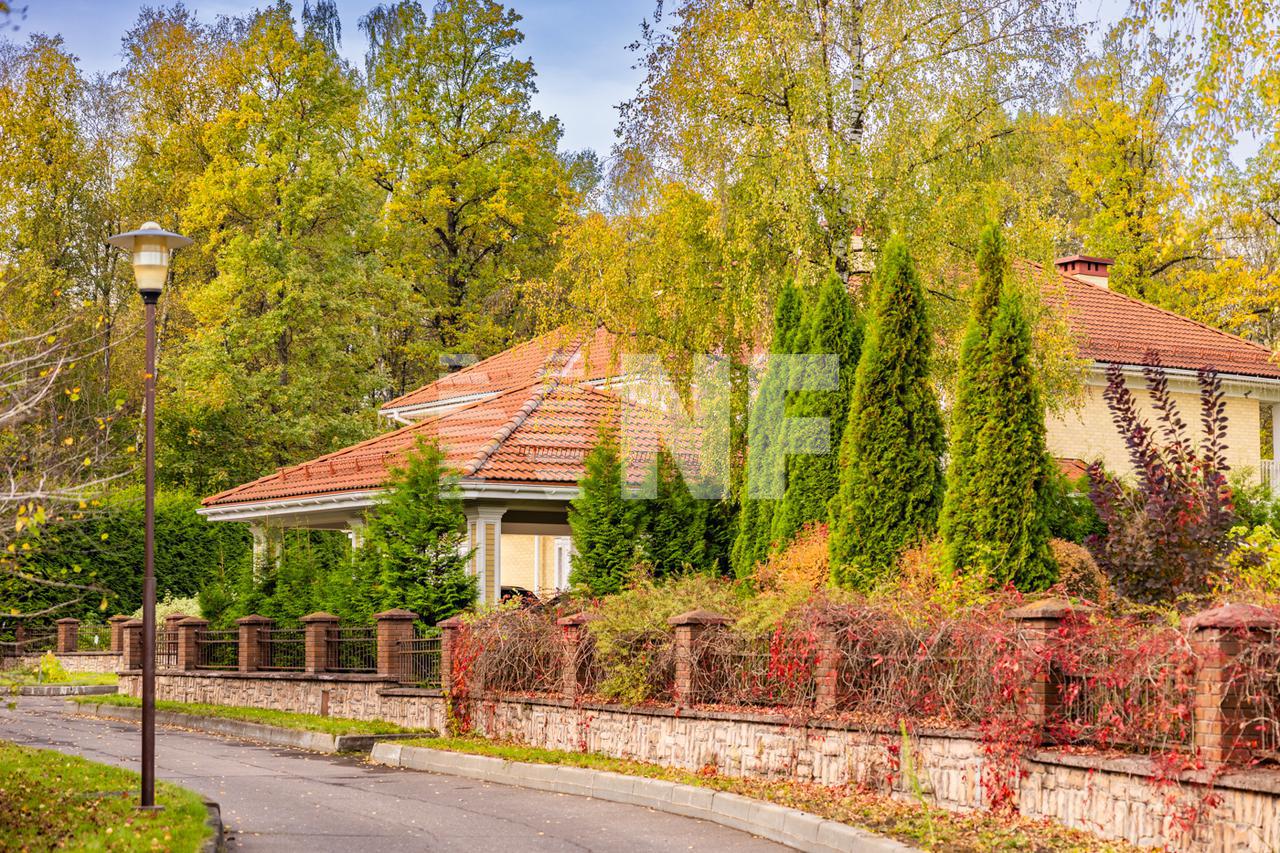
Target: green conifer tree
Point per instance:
(973, 405)
(764, 446)
(415, 537)
(891, 483)
(604, 521)
(832, 327)
(675, 523)
(1009, 491)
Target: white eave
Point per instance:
(1263, 388)
(358, 502)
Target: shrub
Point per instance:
(1253, 565)
(604, 522)
(634, 643)
(1166, 535)
(52, 670)
(1078, 573)
(170, 605)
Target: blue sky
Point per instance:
(578, 46)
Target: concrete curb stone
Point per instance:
(794, 828)
(216, 843)
(66, 689)
(274, 735)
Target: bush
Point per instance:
(1253, 565)
(1078, 573)
(1167, 535)
(169, 605)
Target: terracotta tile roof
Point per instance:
(540, 433)
(1111, 327)
(561, 354)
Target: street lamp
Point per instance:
(150, 248)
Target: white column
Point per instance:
(1275, 433)
(355, 532)
(484, 531)
(537, 564)
(260, 554)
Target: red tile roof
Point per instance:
(540, 433)
(562, 354)
(1111, 327)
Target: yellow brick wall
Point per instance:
(519, 564)
(1087, 433)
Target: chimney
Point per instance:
(1085, 268)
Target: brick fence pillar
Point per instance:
(576, 661)
(827, 668)
(690, 630)
(68, 634)
(449, 630)
(394, 626)
(316, 627)
(1225, 724)
(131, 644)
(117, 624)
(189, 641)
(248, 645)
(1037, 624)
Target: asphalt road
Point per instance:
(278, 799)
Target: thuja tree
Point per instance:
(1167, 532)
(673, 522)
(891, 483)
(604, 521)
(832, 327)
(1005, 509)
(959, 511)
(414, 541)
(763, 481)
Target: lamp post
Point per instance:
(150, 247)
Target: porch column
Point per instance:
(355, 532)
(484, 536)
(1275, 433)
(267, 545)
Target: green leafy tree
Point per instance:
(281, 345)
(415, 537)
(763, 480)
(832, 327)
(891, 483)
(604, 521)
(1011, 491)
(974, 387)
(471, 182)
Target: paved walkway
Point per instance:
(281, 800)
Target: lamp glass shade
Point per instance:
(151, 247)
(150, 264)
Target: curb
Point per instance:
(67, 689)
(794, 828)
(272, 735)
(217, 843)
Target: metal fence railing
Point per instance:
(218, 649)
(93, 638)
(352, 649)
(282, 648)
(420, 660)
(166, 649)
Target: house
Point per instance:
(517, 427)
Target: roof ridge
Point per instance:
(513, 423)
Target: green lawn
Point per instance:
(284, 719)
(927, 828)
(24, 677)
(51, 801)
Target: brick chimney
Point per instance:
(1085, 268)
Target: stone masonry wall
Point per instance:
(71, 661)
(1115, 798)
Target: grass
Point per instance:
(21, 678)
(283, 719)
(921, 826)
(51, 801)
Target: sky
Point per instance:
(578, 47)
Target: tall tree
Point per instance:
(974, 388)
(673, 522)
(472, 183)
(279, 209)
(763, 480)
(1009, 491)
(891, 485)
(833, 326)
